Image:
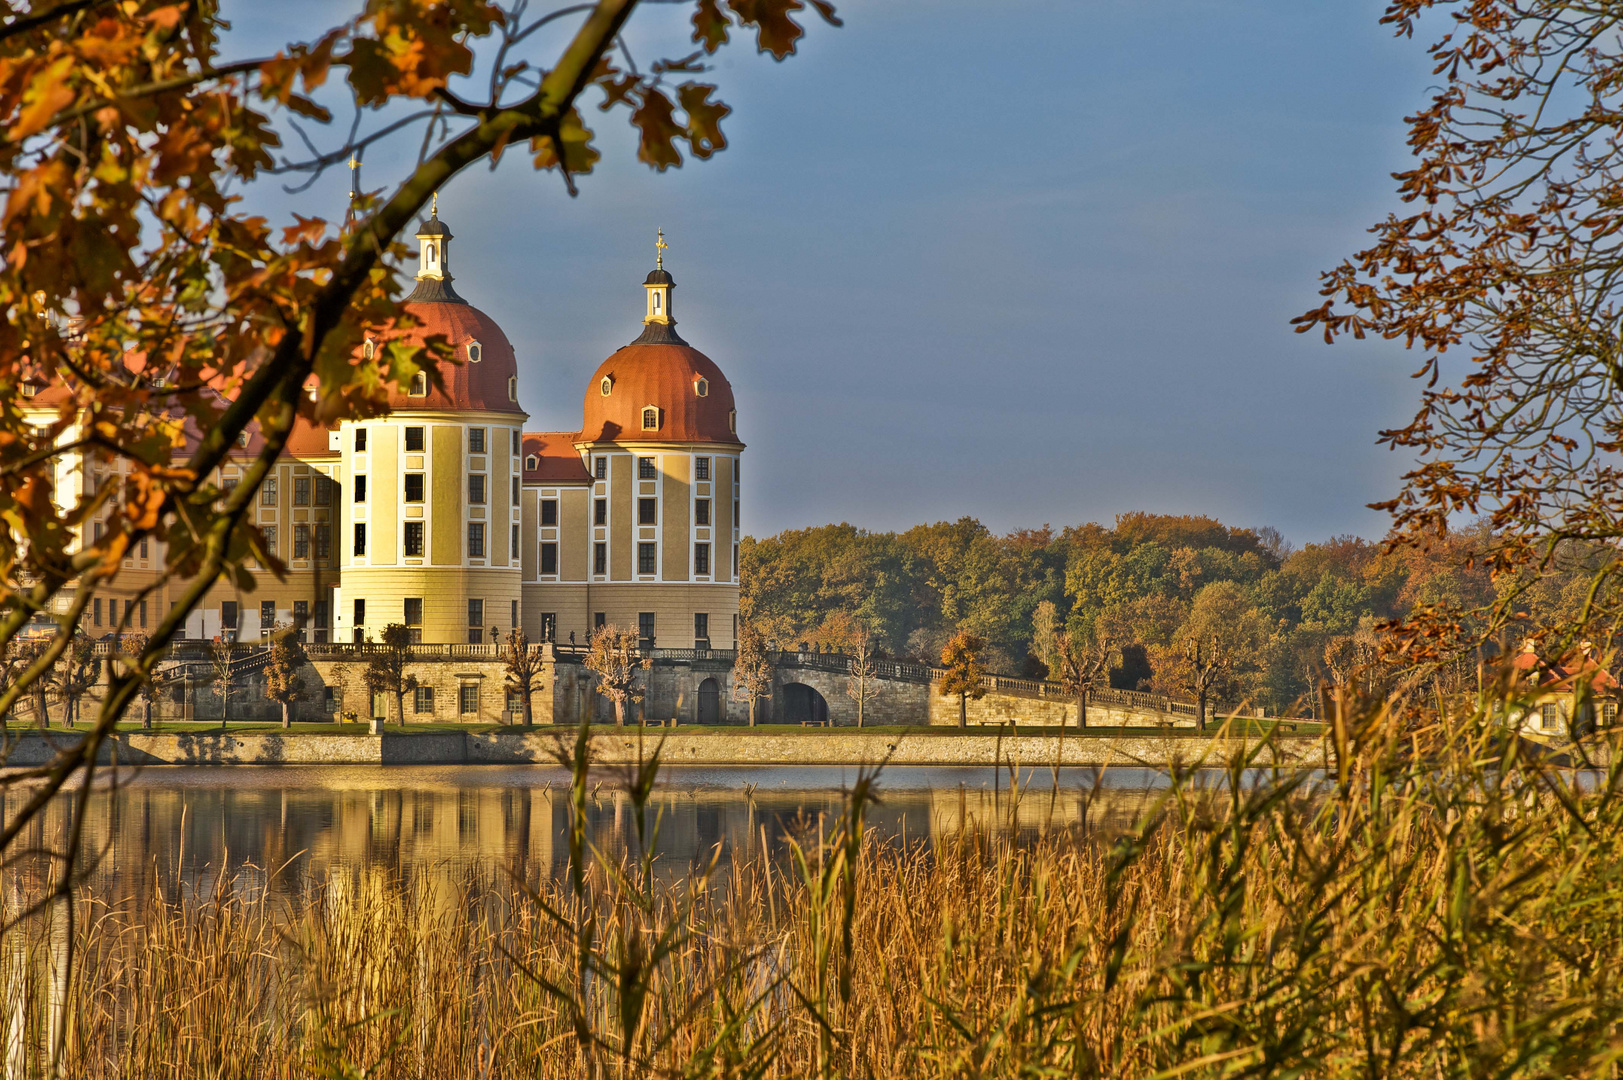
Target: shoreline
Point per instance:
(620, 746)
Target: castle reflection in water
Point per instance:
(282, 828)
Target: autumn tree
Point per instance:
(282, 666)
(1500, 271)
(616, 661)
(752, 668)
(173, 319)
(961, 657)
(862, 684)
(222, 674)
(386, 663)
(130, 648)
(1215, 651)
(77, 669)
(522, 666)
(1083, 654)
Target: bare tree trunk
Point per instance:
(400, 706)
(146, 714)
(1200, 710)
(1082, 708)
(619, 712)
(963, 710)
(529, 720)
(752, 710)
(287, 717)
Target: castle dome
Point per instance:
(659, 388)
(485, 376)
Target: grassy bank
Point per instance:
(1444, 909)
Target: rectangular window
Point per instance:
(301, 541)
(600, 468)
(423, 700)
(701, 468)
(476, 615)
(301, 491)
(647, 558)
(143, 610)
(143, 547)
(735, 513)
(515, 491)
(267, 492)
(599, 620)
(414, 487)
(1547, 718)
(228, 614)
(645, 625)
(701, 512)
(1608, 713)
(360, 538)
(414, 440)
(549, 512)
(512, 619)
(549, 625)
(549, 558)
(301, 616)
(269, 532)
(701, 630)
(95, 611)
(97, 531)
(476, 539)
(468, 698)
(476, 440)
(324, 486)
(323, 539)
(600, 512)
(267, 615)
(323, 616)
(414, 617)
(645, 468)
(646, 512)
(735, 560)
(414, 539)
(600, 558)
(360, 440)
(360, 488)
(476, 489)
(701, 558)
(512, 552)
(360, 612)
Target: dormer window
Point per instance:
(369, 350)
(242, 438)
(30, 389)
(531, 462)
(732, 421)
(650, 418)
(475, 352)
(419, 385)
(701, 386)
(512, 388)
(605, 386)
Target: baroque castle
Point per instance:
(446, 516)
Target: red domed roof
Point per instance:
(666, 376)
(467, 385)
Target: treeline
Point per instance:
(1292, 617)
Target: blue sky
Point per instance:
(1027, 260)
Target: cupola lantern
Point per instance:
(659, 286)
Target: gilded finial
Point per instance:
(354, 171)
(659, 251)
(434, 211)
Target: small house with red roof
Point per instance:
(1566, 698)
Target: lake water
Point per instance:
(279, 828)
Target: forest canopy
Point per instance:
(1143, 578)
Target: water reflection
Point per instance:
(280, 828)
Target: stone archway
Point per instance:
(802, 704)
(710, 702)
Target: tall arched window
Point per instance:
(512, 388)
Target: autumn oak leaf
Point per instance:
(655, 119)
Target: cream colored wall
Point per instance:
(445, 592)
(673, 604)
(446, 529)
(622, 511)
(675, 516)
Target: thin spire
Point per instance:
(659, 251)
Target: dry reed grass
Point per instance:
(1441, 907)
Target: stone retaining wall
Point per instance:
(680, 748)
